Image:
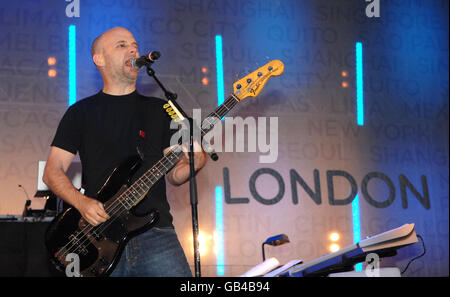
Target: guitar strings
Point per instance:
(220, 110)
(76, 242)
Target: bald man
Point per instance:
(105, 129)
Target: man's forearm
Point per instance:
(181, 172)
(62, 187)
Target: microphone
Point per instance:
(146, 60)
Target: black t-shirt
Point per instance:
(106, 129)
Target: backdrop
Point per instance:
(394, 163)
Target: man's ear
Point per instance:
(98, 60)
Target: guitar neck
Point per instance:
(137, 191)
(219, 113)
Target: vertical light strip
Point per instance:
(72, 65)
(219, 231)
(359, 85)
(219, 67)
(219, 192)
(360, 122)
(356, 226)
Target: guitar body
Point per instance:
(98, 248)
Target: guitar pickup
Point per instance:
(98, 235)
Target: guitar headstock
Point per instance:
(252, 84)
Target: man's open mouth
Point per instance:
(128, 63)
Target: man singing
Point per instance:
(105, 129)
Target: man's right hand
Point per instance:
(92, 211)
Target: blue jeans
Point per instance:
(157, 252)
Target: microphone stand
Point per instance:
(171, 97)
(26, 210)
